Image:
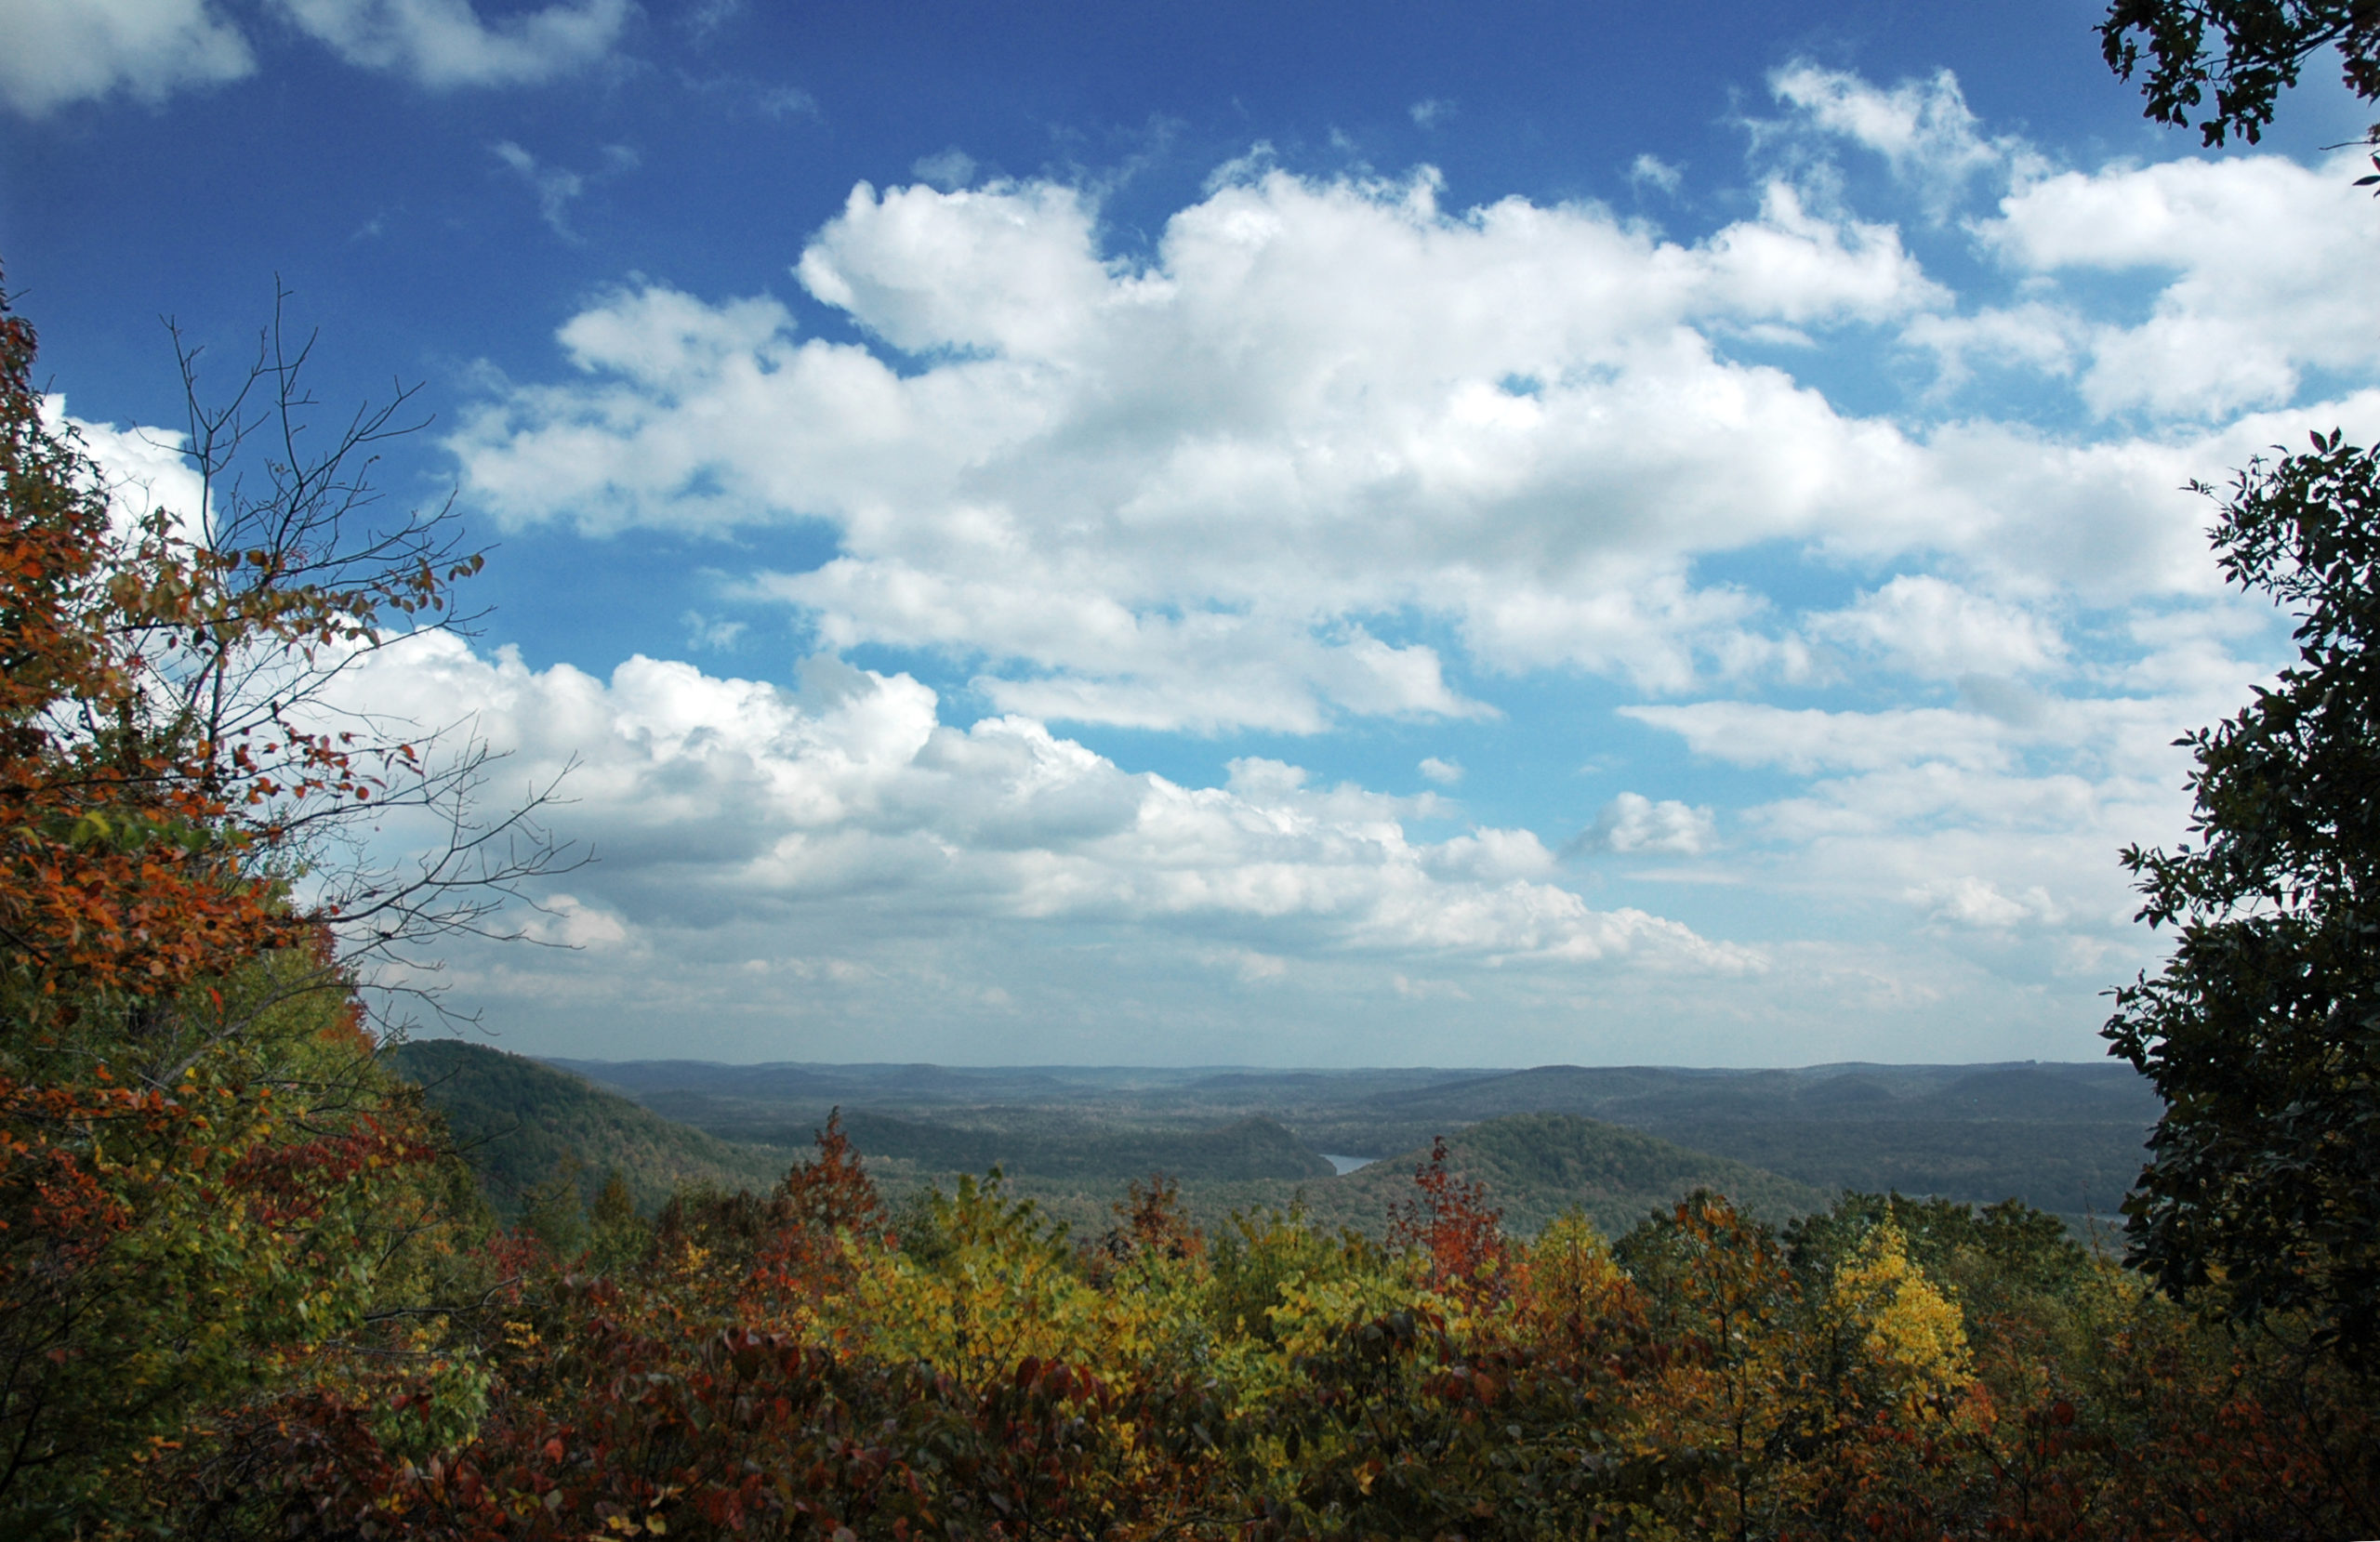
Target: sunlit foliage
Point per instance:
(802, 1364)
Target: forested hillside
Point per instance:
(519, 1123)
(1540, 1166)
(523, 1126)
(2063, 1137)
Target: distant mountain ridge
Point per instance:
(2107, 1091)
(522, 1123)
(2065, 1136)
(1613, 1140)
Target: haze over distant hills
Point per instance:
(2064, 1137)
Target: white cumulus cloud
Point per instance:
(443, 43)
(1923, 128)
(1198, 492)
(1930, 626)
(53, 52)
(1651, 171)
(1809, 740)
(2258, 266)
(1969, 900)
(1181, 493)
(144, 471)
(715, 802)
(1633, 823)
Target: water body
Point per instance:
(1348, 1164)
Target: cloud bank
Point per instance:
(712, 794)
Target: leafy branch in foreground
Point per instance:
(2260, 48)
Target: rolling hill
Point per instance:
(1616, 1142)
(1537, 1165)
(520, 1122)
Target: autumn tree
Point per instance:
(1449, 1222)
(205, 1178)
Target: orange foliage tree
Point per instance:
(203, 1177)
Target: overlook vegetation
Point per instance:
(807, 1360)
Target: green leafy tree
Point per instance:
(554, 1213)
(2263, 1030)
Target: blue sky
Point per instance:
(1318, 535)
